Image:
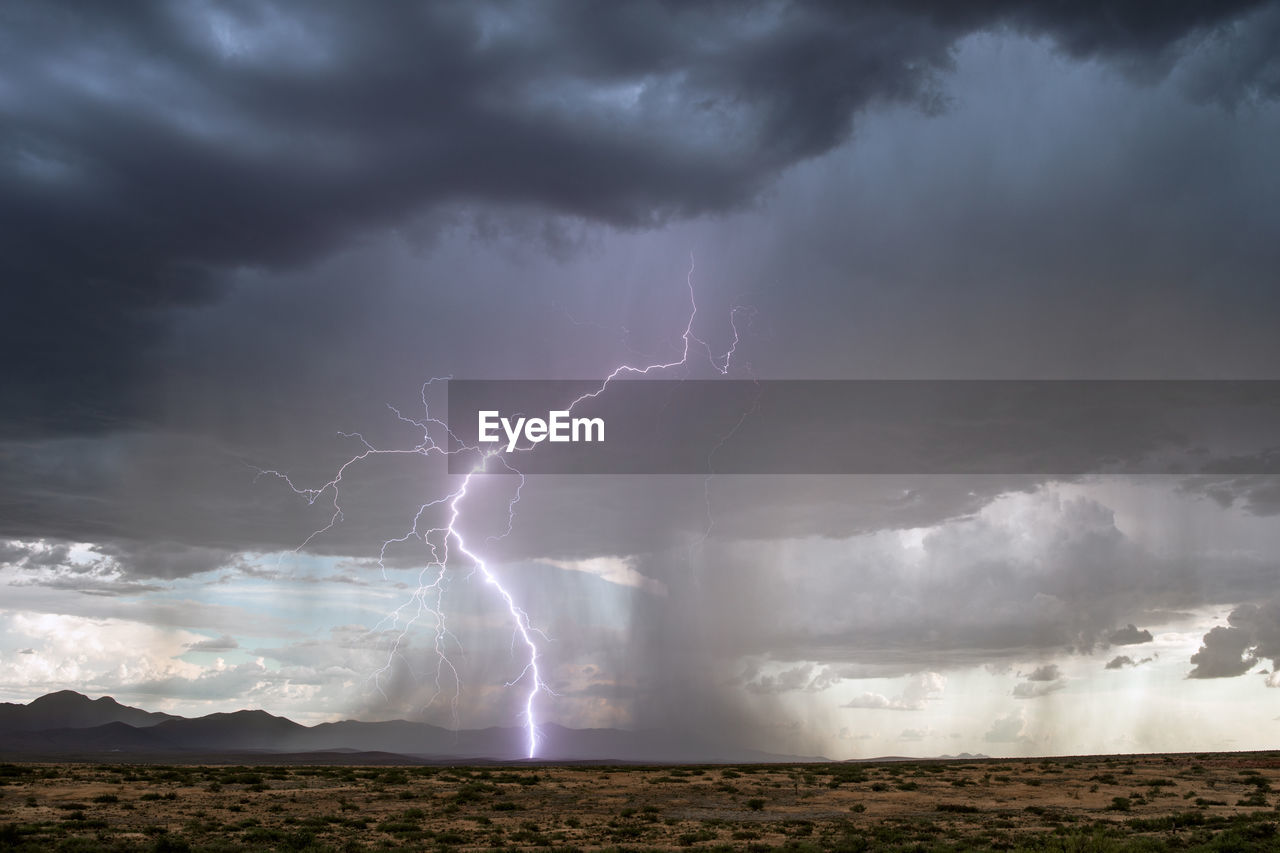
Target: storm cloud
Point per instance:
(151, 153)
(1252, 634)
(233, 233)
(1129, 635)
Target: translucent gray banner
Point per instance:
(1049, 427)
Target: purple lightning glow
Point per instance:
(426, 600)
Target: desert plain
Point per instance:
(1220, 801)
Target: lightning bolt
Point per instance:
(444, 541)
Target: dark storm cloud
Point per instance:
(1129, 635)
(1249, 70)
(1227, 652)
(1047, 672)
(1129, 28)
(1251, 635)
(1034, 690)
(150, 151)
(1041, 681)
(1122, 661)
(167, 560)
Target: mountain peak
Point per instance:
(69, 709)
(255, 713)
(61, 697)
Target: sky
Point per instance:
(234, 233)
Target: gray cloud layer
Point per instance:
(150, 151)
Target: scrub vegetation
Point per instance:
(1147, 803)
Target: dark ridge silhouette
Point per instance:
(67, 723)
(67, 709)
(236, 730)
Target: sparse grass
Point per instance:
(1149, 803)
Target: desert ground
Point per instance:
(1161, 802)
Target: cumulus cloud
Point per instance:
(126, 563)
(48, 555)
(13, 551)
(1008, 728)
(90, 654)
(251, 684)
(1122, 661)
(919, 690)
(79, 568)
(801, 677)
(214, 644)
(616, 570)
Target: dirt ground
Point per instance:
(1174, 802)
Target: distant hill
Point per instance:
(237, 730)
(68, 723)
(67, 709)
(881, 759)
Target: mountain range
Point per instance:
(67, 723)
